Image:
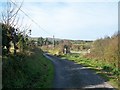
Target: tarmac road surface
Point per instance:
(68, 74)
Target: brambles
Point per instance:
(106, 50)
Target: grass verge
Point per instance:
(27, 70)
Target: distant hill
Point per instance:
(58, 39)
(49, 38)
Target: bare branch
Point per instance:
(20, 23)
(3, 19)
(16, 22)
(17, 9)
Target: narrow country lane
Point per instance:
(71, 75)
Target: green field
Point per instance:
(27, 70)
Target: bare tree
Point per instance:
(10, 20)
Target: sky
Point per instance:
(71, 19)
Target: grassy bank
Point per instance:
(27, 70)
(109, 73)
(0, 71)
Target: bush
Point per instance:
(116, 71)
(107, 68)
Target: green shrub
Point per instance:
(116, 71)
(107, 68)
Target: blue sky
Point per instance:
(72, 19)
